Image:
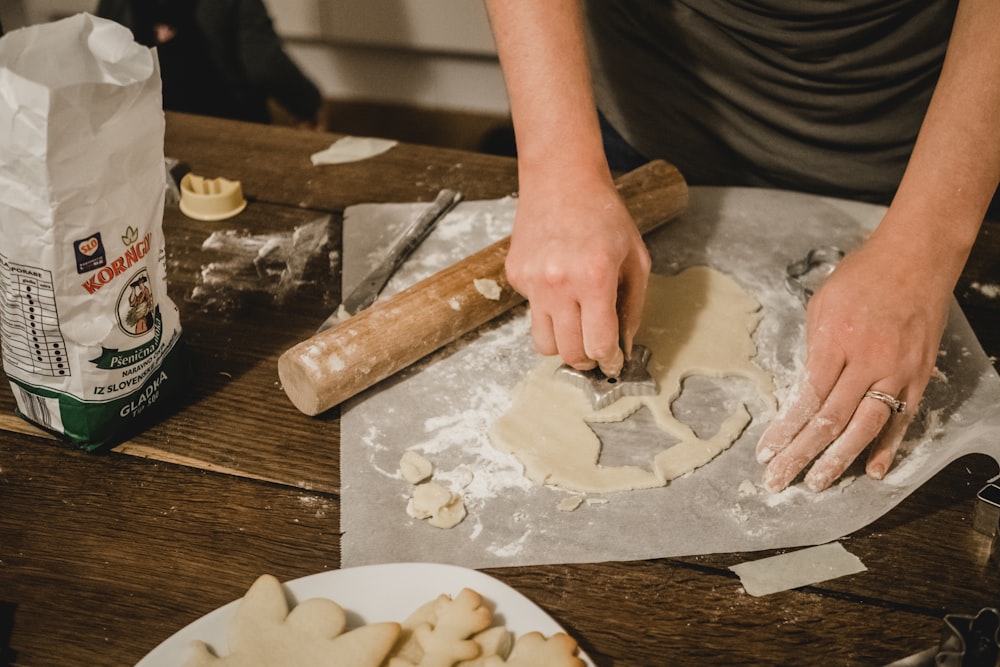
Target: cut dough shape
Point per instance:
(699, 322)
(414, 467)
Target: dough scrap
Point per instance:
(569, 503)
(488, 288)
(699, 322)
(441, 507)
(414, 467)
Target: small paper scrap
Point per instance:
(352, 149)
(797, 568)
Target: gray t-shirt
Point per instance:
(820, 96)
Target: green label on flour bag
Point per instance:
(91, 424)
(91, 341)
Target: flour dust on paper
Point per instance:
(697, 323)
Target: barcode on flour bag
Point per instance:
(91, 342)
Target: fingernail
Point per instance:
(818, 482)
(765, 455)
(772, 484)
(877, 471)
(614, 369)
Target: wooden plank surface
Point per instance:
(107, 556)
(273, 165)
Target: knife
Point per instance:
(371, 285)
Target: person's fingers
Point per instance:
(835, 413)
(599, 321)
(567, 330)
(542, 333)
(883, 450)
(869, 419)
(801, 405)
(632, 299)
(822, 370)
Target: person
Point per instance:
(893, 101)
(218, 57)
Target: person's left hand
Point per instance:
(875, 325)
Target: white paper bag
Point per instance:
(90, 339)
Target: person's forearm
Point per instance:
(543, 54)
(575, 252)
(955, 165)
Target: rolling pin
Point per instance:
(374, 344)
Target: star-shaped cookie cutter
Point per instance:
(634, 380)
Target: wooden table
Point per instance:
(104, 556)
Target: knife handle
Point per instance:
(346, 359)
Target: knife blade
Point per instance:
(372, 284)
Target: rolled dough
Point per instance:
(698, 322)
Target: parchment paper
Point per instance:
(444, 406)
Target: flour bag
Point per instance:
(90, 339)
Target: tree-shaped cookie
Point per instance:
(264, 633)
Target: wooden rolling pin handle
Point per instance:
(342, 361)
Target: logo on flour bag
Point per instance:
(136, 305)
(89, 253)
(135, 251)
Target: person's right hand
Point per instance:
(579, 259)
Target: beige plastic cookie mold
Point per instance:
(211, 198)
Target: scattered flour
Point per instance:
(989, 290)
(319, 505)
(845, 482)
(741, 515)
(460, 438)
(511, 548)
(794, 493)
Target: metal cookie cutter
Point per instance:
(634, 380)
(987, 515)
(970, 641)
(804, 277)
(966, 641)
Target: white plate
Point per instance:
(370, 594)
